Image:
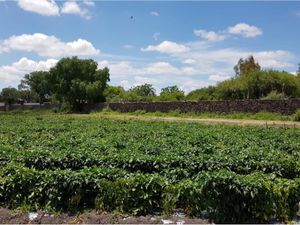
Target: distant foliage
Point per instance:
(171, 93)
(206, 93)
(144, 90)
(38, 83)
(112, 93)
(258, 84)
(9, 95)
(75, 82)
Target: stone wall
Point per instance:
(26, 106)
(252, 106)
(287, 107)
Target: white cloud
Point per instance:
(17, 70)
(189, 61)
(119, 70)
(168, 47)
(89, 2)
(209, 35)
(43, 7)
(71, 7)
(273, 59)
(125, 68)
(160, 68)
(127, 46)
(191, 84)
(153, 13)
(218, 77)
(48, 46)
(216, 64)
(142, 80)
(211, 61)
(245, 30)
(125, 84)
(156, 36)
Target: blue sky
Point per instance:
(189, 44)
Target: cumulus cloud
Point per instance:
(42, 7)
(209, 60)
(189, 61)
(160, 68)
(245, 30)
(153, 13)
(204, 67)
(50, 8)
(48, 46)
(17, 70)
(191, 84)
(125, 84)
(71, 7)
(168, 47)
(118, 70)
(218, 77)
(209, 35)
(273, 59)
(88, 2)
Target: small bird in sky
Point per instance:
(131, 17)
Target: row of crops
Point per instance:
(229, 173)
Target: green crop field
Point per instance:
(71, 163)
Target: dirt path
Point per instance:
(91, 217)
(290, 124)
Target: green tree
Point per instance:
(9, 95)
(171, 93)
(144, 90)
(298, 71)
(28, 96)
(258, 84)
(113, 93)
(245, 66)
(37, 82)
(78, 81)
(205, 93)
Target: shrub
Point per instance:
(274, 95)
(296, 116)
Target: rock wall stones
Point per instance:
(252, 106)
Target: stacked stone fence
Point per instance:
(26, 106)
(286, 107)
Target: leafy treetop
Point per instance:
(78, 81)
(245, 66)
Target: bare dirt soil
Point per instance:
(8, 216)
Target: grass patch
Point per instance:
(207, 115)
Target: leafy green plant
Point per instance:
(274, 95)
(65, 162)
(296, 115)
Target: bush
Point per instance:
(274, 95)
(296, 116)
(226, 196)
(138, 195)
